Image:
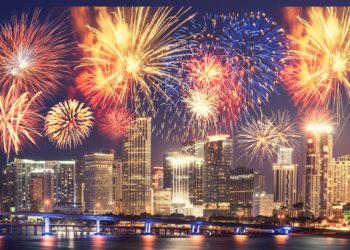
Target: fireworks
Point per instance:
(115, 123)
(32, 54)
(263, 136)
(324, 59)
(318, 120)
(257, 48)
(205, 30)
(68, 123)
(134, 54)
(19, 120)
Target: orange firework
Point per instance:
(115, 123)
(32, 54)
(19, 120)
(133, 55)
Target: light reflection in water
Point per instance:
(98, 242)
(148, 242)
(281, 239)
(48, 242)
(197, 241)
(240, 239)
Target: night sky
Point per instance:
(279, 101)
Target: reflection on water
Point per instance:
(240, 239)
(197, 241)
(237, 242)
(98, 242)
(148, 242)
(48, 242)
(281, 239)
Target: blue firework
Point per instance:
(257, 48)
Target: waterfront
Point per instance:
(240, 242)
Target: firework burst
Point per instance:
(258, 49)
(324, 59)
(19, 120)
(134, 54)
(32, 54)
(261, 137)
(68, 123)
(115, 123)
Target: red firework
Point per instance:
(115, 123)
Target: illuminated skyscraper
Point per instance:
(285, 178)
(341, 167)
(98, 176)
(162, 201)
(262, 204)
(8, 189)
(137, 180)
(319, 181)
(168, 176)
(216, 173)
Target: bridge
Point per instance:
(192, 227)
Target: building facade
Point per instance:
(216, 174)
(285, 178)
(98, 176)
(157, 177)
(319, 182)
(162, 201)
(341, 168)
(137, 180)
(263, 204)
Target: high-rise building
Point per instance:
(262, 204)
(8, 190)
(157, 177)
(98, 176)
(341, 167)
(117, 182)
(22, 171)
(42, 190)
(137, 183)
(244, 182)
(285, 178)
(80, 183)
(216, 174)
(319, 183)
(168, 176)
(162, 201)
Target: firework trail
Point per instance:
(68, 124)
(19, 120)
(33, 54)
(133, 57)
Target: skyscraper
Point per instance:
(8, 189)
(216, 173)
(341, 167)
(244, 182)
(285, 178)
(319, 183)
(137, 183)
(42, 190)
(21, 171)
(262, 204)
(168, 176)
(98, 177)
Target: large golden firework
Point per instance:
(19, 120)
(323, 54)
(32, 54)
(68, 123)
(134, 54)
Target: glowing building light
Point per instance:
(319, 128)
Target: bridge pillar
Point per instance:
(98, 229)
(195, 229)
(47, 229)
(147, 228)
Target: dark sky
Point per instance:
(278, 102)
